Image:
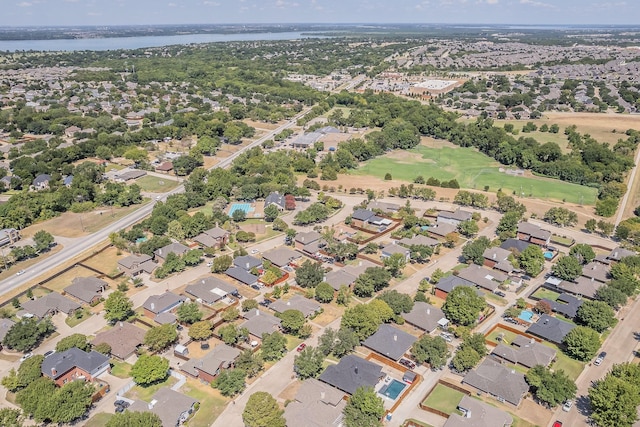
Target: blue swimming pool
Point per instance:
(393, 389)
(548, 255)
(246, 207)
(526, 315)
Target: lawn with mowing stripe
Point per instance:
(474, 170)
(443, 399)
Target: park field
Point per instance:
(473, 170)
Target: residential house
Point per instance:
(259, 323)
(281, 257)
(211, 364)
(214, 238)
(5, 325)
(393, 249)
(87, 289)
(565, 304)
(74, 364)
(446, 285)
(476, 413)
(165, 167)
(242, 276)
(515, 245)
(340, 278)
(308, 241)
(483, 278)
(71, 131)
(454, 218)
(425, 317)
(124, 339)
(550, 329)
(210, 290)
(129, 175)
(276, 199)
(357, 269)
(49, 305)
(384, 207)
(11, 181)
(173, 408)
(596, 271)
(594, 276)
(531, 233)
(365, 218)
(498, 259)
(618, 253)
(441, 229)
(67, 181)
(306, 306)
(419, 240)
(390, 342)
(167, 302)
(525, 351)
(173, 248)
(9, 236)
(505, 384)
(306, 140)
(41, 182)
(133, 265)
(352, 372)
(316, 404)
(247, 262)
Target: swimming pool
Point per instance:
(393, 389)
(246, 207)
(548, 255)
(526, 315)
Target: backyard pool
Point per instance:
(246, 207)
(526, 315)
(393, 389)
(548, 255)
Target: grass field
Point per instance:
(508, 336)
(153, 184)
(211, 403)
(145, 393)
(120, 369)
(545, 293)
(73, 321)
(98, 420)
(473, 170)
(106, 261)
(571, 367)
(443, 399)
(65, 279)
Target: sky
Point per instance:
(155, 12)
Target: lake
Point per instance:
(115, 43)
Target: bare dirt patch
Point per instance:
(65, 279)
(261, 125)
(599, 126)
(107, 260)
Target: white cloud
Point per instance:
(535, 3)
(24, 4)
(94, 13)
(210, 3)
(172, 5)
(492, 1)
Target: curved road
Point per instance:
(83, 244)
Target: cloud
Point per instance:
(172, 5)
(94, 13)
(535, 3)
(210, 3)
(24, 4)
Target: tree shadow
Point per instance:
(583, 405)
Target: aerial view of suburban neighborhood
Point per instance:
(319, 224)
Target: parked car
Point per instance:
(120, 403)
(446, 336)
(256, 287)
(301, 347)
(567, 405)
(407, 363)
(49, 353)
(254, 251)
(119, 409)
(501, 294)
(25, 357)
(20, 273)
(557, 424)
(600, 358)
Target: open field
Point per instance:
(212, 403)
(443, 398)
(542, 293)
(507, 336)
(571, 367)
(472, 169)
(153, 184)
(65, 279)
(106, 261)
(98, 420)
(145, 393)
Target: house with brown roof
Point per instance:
(525, 351)
(504, 384)
(339, 278)
(165, 167)
(304, 305)
(215, 237)
(124, 339)
(476, 413)
(172, 407)
(455, 217)
(210, 290)
(498, 258)
(282, 256)
(259, 323)
(87, 289)
(173, 248)
(50, 304)
(316, 404)
(308, 241)
(441, 229)
(134, 265)
(210, 365)
(531, 233)
(425, 317)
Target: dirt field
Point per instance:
(106, 261)
(254, 228)
(65, 279)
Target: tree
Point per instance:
(583, 253)
(43, 240)
(532, 260)
(239, 215)
(420, 253)
(292, 321)
(160, 337)
(465, 359)
(249, 304)
(562, 217)
(463, 305)
(614, 297)
(468, 228)
(262, 410)
(606, 228)
(201, 330)
(221, 264)
(543, 307)
(117, 307)
(395, 263)
(230, 314)
(134, 419)
(567, 268)
(614, 402)
(103, 348)
(596, 315)
(431, 350)
(11, 417)
(362, 320)
(590, 225)
(582, 343)
(271, 213)
(189, 312)
(309, 274)
(192, 257)
(476, 342)
(74, 340)
(346, 341)
(308, 363)
(34, 395)
(249, 362)
(364, 409)
(508, 225)
(230, 382)
(42, 400)
(550, 387)
(324, 292)
(399, 303)
(372, 280)
(27, 333)
(29, 371)
(274, 345)
(149, 369)
(473, 251)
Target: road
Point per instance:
(83, 244)
(625, 198)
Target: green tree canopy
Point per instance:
(364, 409)
(27, 333)
(532, 260)
(292, 321)
(262, 410)
(583, 253)
(221, 263)
(230, 382)
(308, 363)
(431, 350)
(473, 251)
(324, 292)
(274, 345)
(395, 263)
(309, 274)
(463, 305)
(74, 340)
(201, 330)
(597, 315)
(149, 369)
(550, 387)
(134, 419)
(614, 402)
(567, 268)
(160, 337)
(189, 312)
(582, 343)
(117, 307)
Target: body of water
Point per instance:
(116, 43)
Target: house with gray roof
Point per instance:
(482, 278)
(308, 241)
(419, 240)
(390, 342)
(173, 248)
(392, 249)
(525, 351)
(498, 258)
(9, 235)
(596, 271)
(441, 229)
(41, 182)
(242, 276)
(533, 234)
(454, 218)
(352, 372)
(565, 304)
(50, 304)
(5, 325)
(339, 278)
(476, 413)
(359, 268)
(128, 175)
(366, 217)
(506, 385)
(515, 245)
(134, 265)
(276, 199)
(282, 256)
(210, 290)
(424, 316)
(304, 305)
(550, 329)
(247, 262)
(74, 364)
(211, 364)
(259, 323)
(386, 207)
(173, 408)
(446, 285)
(124, 339)
(618, 253)
(316, 404)
(86, 289)
(163, 303)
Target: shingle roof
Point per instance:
(446, 284)
(307, 237)
(44, 305)
(479, 414)
(221, 356)
(176, 248)
(316, 405)
(210, 289)
(5, 325)
(497, 380)
(131, 260)
(86, 288)
(424, 316)
(362, 214)
(281, 256)
(259, 323)
(74, 357)
(123, 338)
(526, 352)
(274, 198)
(392, 249)
(352, 372)
(519, 245)
(550, 328)
(297, 302)
(167, 404)
(533, 231)
(419, 240)
(482, 277)
(339, 278)
(241, 275)
(565, 304)
(618, 253)
(247, 262)
(442, 229)
(164, 302)
(596, 271)
(389, 341)
(458, 215)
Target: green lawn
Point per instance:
(73, 321)
(495, 299)
(145, 393)
(153, 184)
(473, 169)
(444, 399)
(571, 367)
(508, 336)
(211, 403)
(414, 422)
(564, 241)
(120, 369)
(98, 420)
(545, 293)
(292, 342)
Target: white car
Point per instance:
(567, 405)
(20, 273)
(25, 357)
(254, 251)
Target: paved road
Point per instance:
(83, 244)
(625, 198)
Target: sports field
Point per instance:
(473, 170)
